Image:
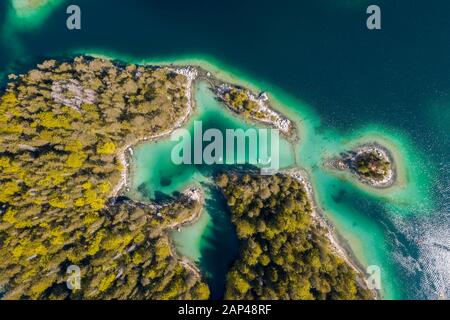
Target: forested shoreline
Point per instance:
(284, 254)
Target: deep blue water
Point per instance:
(319, 51)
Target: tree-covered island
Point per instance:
(372, 164)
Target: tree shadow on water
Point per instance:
(219, 245)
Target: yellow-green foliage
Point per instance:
(9, 188)
(106, 283)
(50, 120)
(58, 167)
(239, 100)
(76, 160)
(106, 148)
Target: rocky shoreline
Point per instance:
(194, 194)
(336, 242)
(266, 114)
(262, 113)
(124, 155)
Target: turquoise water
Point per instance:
(342, 84)
(341, 199)
(154, 167)
(210, 242)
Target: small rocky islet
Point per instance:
(372, 164)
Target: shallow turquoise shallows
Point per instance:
(211, 241)
(340, 82)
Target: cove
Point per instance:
(211, 241)
(362, 216)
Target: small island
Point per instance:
(372, 163)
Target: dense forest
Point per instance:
(63, 129)
(283, 254)
(239, 101)
(371, 165)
